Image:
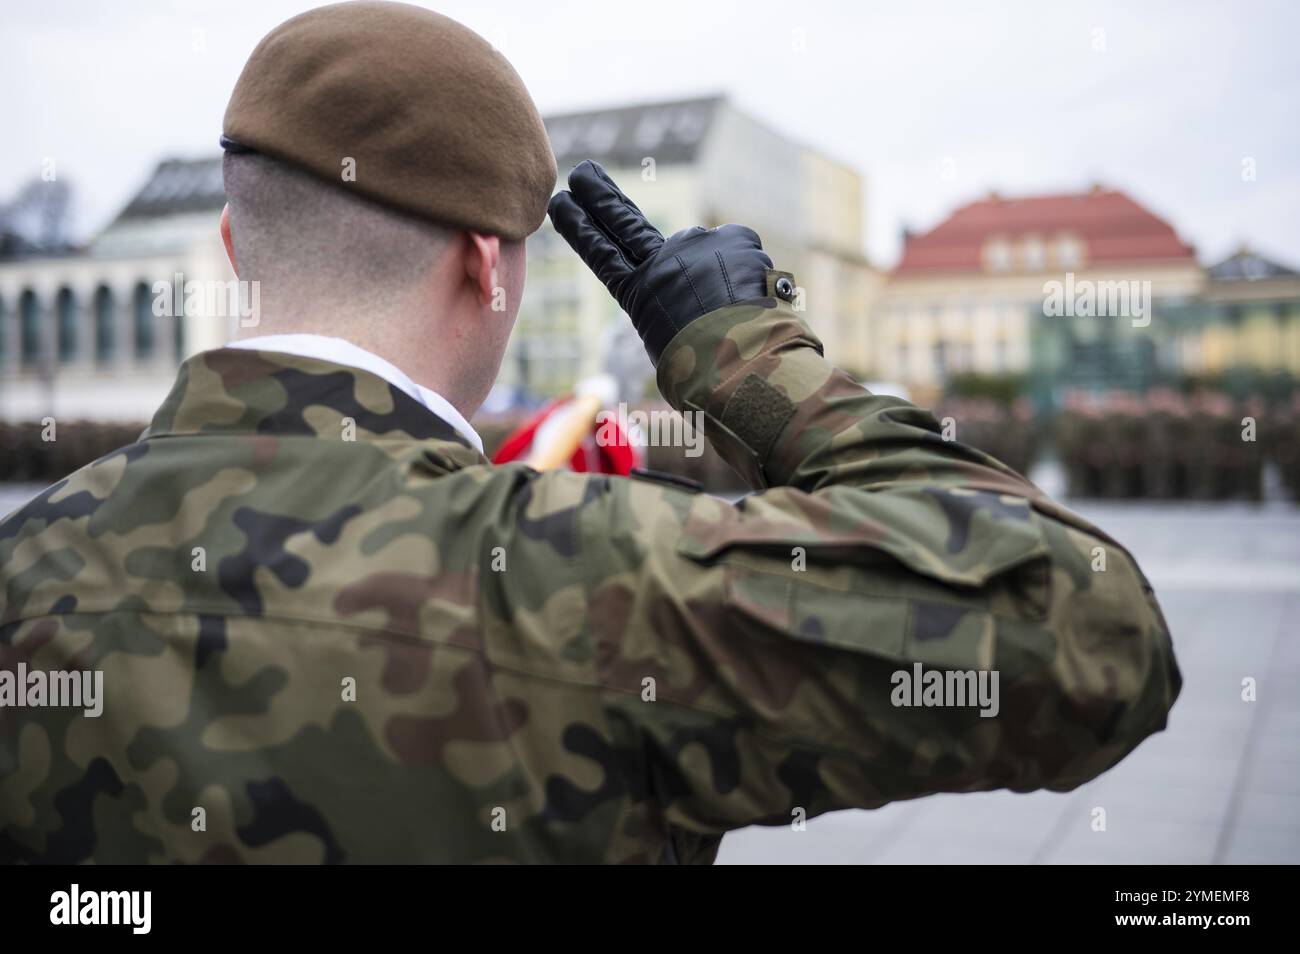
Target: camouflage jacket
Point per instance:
(323, 649)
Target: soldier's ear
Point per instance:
(225, 237)
(481, 264)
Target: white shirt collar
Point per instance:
(339, 351)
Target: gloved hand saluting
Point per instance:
(662, 284)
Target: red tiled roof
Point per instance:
(1112, 227)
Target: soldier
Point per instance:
(1155, 443)
(330, 631)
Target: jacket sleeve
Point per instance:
(772, 657)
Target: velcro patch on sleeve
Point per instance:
(757, 413)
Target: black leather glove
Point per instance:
(662, 284)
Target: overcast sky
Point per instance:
(1016, 96)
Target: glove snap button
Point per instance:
(784, 289)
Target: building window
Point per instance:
(997, 253)
(29, 332)
(1069, 252)
(1035, 254)
(142, 322)
(178, 322)
(105, 342)
(65, 311)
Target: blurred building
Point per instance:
(79, 337)
(693, 162)
(1247, 320)
(969, 296)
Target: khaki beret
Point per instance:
(437, 122)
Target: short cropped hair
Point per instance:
(313, 240)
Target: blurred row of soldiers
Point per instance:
(42, 453)
(1160, 445)
(1166, 445)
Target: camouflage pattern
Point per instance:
(548, 667)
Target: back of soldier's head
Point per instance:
(307, 241)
